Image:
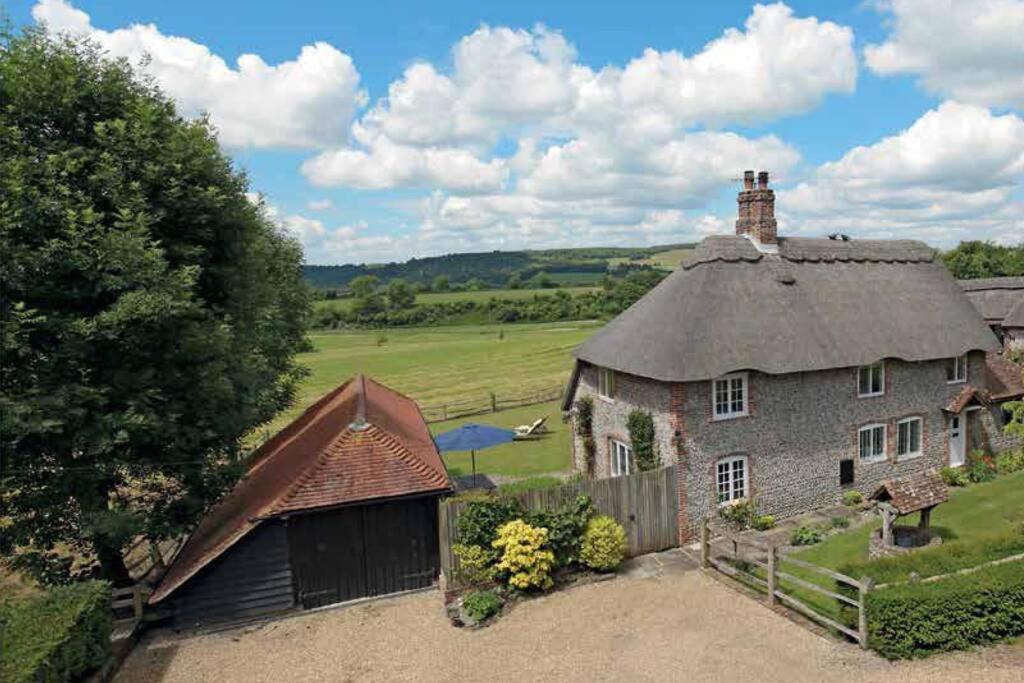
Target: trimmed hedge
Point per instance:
(919, 619)
(942, 559)
(56, 636)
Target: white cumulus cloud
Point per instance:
(969, 50)
(307, 102)
(950, 176)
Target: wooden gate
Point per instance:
(362, 551)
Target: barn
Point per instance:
(339, 505)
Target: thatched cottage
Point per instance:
(789, 370)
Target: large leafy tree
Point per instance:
(984, 259)
(151, 312)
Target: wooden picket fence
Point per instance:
(761, 567)
(492, 403)
(644, 503)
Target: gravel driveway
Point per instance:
(672, 626)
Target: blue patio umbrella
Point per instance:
(473, 438)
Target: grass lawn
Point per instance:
(478, 296)
(547, 453)
(974, 512)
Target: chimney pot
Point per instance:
(762, 180)
(748, 180)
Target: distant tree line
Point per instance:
(391, 307)
(971, 260)
(494, 269)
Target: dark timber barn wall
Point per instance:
(252, 578)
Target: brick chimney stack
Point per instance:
(757, 209)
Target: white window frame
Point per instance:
(728, 380)
(606, 384)
(730, 481)
(920, 438)
(880, 366)
(620, 458)
(958, 363)
(872, 429)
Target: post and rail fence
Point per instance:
(744, 567)
(492, 403)
(644, 504)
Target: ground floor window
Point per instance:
(621, 458)
(732, 478)
(871, 443)
(908, 437)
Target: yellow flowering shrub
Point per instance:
(603, 544)
(523, 556)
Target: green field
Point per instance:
(666, 260)
(478, 296)
(448, 365)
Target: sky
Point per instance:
(377, 132)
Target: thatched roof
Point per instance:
(813, 305)
(1000, 300)
(914, 493)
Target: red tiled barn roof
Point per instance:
(360, 442)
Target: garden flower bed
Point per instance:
(507, 554)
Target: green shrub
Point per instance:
(475, 563)
(957, 613)
(954, 476)
(980, 467)
(739, 513)
(479, 521)
(806, 535)
(59, 635)
(936, 560)
(839, 522)
(603, 544)
(565, 527)
(763, 522)
(1010, 462)
(481, 605)
(852, 498)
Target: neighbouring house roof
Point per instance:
(813, 305)
(1000, 300)
(913, 493)
(1003, 378)
(358, 443)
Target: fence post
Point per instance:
(494, 403)
(137, 600)
(705, 544)
(773, 556)
(444, 413)
(862, 622)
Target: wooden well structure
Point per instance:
(897, 498)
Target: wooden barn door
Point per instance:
(350, 553)
(327, 556)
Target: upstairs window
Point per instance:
(729, 395)
(908, 438)
(732, 479)
(605, 383)
(956, 369)
(621, 458)
(871, 443)
(871, 380)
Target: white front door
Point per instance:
(956, 440)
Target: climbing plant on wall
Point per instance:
(641, 436)
(585, 429)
